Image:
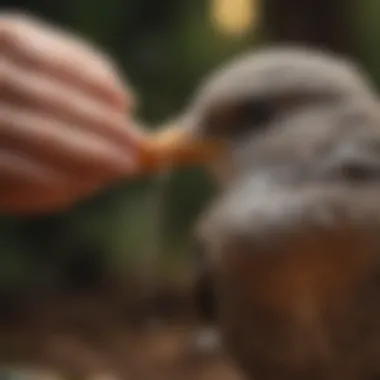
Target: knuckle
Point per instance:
(105, 66)
(11, 26)
(14, 19)
(107, 63)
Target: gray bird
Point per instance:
(293, 237)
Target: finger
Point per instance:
(44, 199)
(17, 170)
(29, 186)
(43, 93)
(65, 148)
(57, 52)
(33, 202)
(18, 175)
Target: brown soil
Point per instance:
(90, 338)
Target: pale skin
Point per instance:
(65, 118)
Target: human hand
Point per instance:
(65, 118)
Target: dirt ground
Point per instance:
(91, 340)
(159, 354)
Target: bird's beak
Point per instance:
(176, 146)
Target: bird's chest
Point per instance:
(305, 315)
(296, 290)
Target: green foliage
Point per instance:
(368, 29)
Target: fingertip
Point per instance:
(127, 166)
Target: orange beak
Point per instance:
(174, 146)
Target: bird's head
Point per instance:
(271, 105)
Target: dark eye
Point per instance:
(236, 119)
(253, 115)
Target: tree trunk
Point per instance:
(327, 24)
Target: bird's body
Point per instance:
(293, 239)
(298, 283)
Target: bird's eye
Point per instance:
(253, 115)
(237, 119)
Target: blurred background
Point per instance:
(95, 291)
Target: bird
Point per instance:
(291, 135)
